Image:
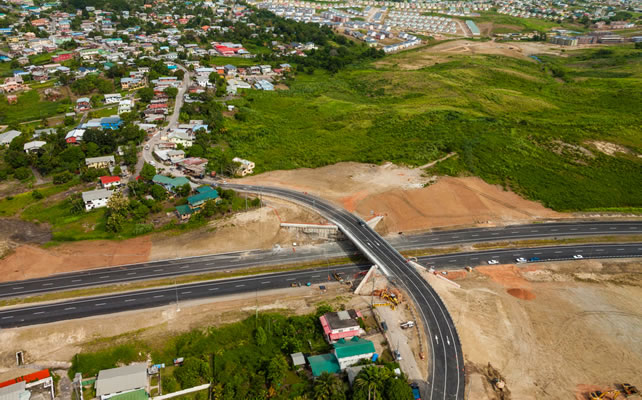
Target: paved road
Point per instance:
(20, 316)
(39, 314)
(250, 258)
(446, 378)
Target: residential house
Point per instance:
(33, 147)
(340, 325)
(111, 122)
(7, 137)
(196, 201)
(83, 104)
(100, 162)
(109, 182)
(170, 184)
(132, 83)
(75, 136)
(181, 136)
(175, 156)
(117, 381)
(96, 198)
(349, 352)
(113, 98)
(125, 106)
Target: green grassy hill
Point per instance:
(519, 123)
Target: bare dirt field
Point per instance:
(552, 331)
(440, 53)
(399, 195)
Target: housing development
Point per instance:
(345, 199)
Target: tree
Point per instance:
(369, 383)
(146, 94)
(158, 193)
(117, 170)
(398, 389)
(147, 172)
(184, 190)
(260, 337)
(192, 372)
(22, 173)
(276, 370)
(638, 45)
(63, 177)
(115, 223)
(171, 92)
(118, 204)
(328, 387)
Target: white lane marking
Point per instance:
(262, 283)
(613, 228)
(131, 273)
(47, 284)
(593, 229)
(39, 312)
(158, 270)
(599, 249)
(620, 249)
(437, 339)
(573, 229)
(213, 289)
(18, 287)
(539, 252)
(474, 235)
(70, 308)
(184, 266)
(159, 296)
(240, 285)
(188, 292)
(557, 252)
(554, 230)
(535, 231)
(315, 276)
(101, 304)
(290, 279)
(475, 258)
(76, 280)
(129, 300)
(103, 277)
(10, 316)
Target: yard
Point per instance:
(29, 107)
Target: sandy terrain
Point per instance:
(551, 331)
(399, 194)
(440, 53)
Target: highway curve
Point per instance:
(446, 378)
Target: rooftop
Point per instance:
(324, 363)
(353, 347)
(201, 198)
(120, 379)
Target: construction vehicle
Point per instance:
(629, 389)
(392, 306)
(338, 277)
(597, 395)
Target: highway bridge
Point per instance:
(226, 262)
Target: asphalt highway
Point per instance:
(446, 379)
(85, 307)
(252, 258)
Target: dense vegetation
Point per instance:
(250, 360)
(523, 124)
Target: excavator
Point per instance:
(629, 389)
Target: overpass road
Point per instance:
(446, 379)
(252, 258)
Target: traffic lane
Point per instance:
(535, 254)
(151, 270)
(100, 305)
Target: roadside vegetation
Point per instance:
(526, 125)
(249, 360)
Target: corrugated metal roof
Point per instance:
(324, 363)
(121, 379)
(354, 347)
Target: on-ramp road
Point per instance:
(446, 378)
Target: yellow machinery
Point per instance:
(611, 394)
(392, 306)
(629, 389)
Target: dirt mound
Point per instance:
(454, 275)
(521, 293)
(23, 232)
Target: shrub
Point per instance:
(22, 173)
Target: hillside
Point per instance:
(538, 127)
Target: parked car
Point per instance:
(384, 326)
(521, 260)
(533, 259)
(492, 262)
(397, 355)
(578, 256)
(415, 391)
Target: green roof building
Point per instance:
(133, 395)
(170, 183)
(348, 352)
(184, 211)
(199, 199)
(324, 363)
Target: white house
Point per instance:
(181, 136)
(115, 381)
(32, 147)
(125, 106)
(96, 198)
(7, 137)
(113, 98)
(246, 168)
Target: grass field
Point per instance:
(29, 107)
(526, 24)
(510, 121)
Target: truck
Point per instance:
(415, 391)
(384, 326)
(408, 324)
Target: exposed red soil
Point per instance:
(520, 293)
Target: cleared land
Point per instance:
(551, 330)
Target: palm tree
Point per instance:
(371, 380)
(328, 387)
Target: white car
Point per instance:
(578, 256)
(521, 260)
(492, 262)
